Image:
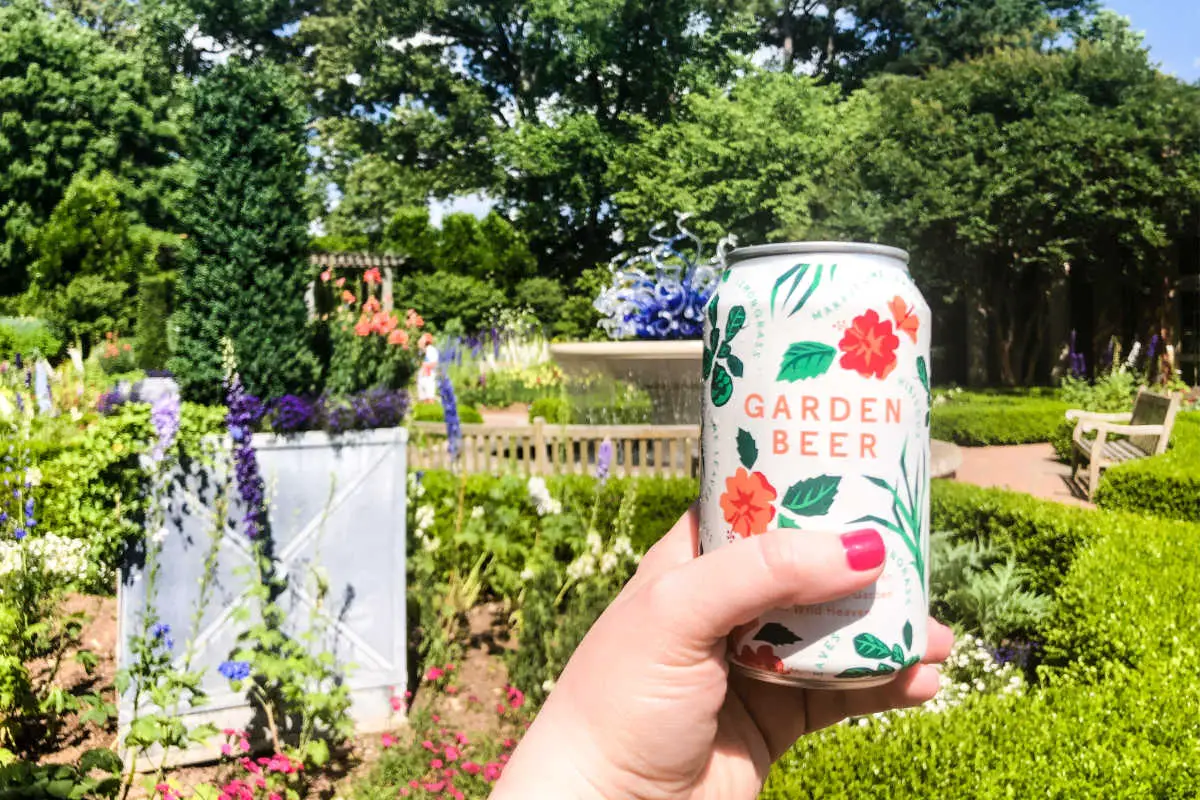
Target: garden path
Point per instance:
(1029, 468)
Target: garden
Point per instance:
(314, 481)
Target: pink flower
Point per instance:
(504, 758)
(516, 698)
(413, 783)
(491, 771)
(470, 767)
(244, 744)
(326, 275)
(435, 718)
(340, 282)
(436, 763)
(452, 753)
(434, 786)
(372, 276)
(457, 794)
(449, 668)
(387, 740)
(226, 750)
(461, 738)
(472, 699)
(274, 796)
(449, 772)
(434, 674)
(449, 689)
(500, 708)
(510, 743)
(404, 791)
(397, 703)
(428, 745)
(408, 695)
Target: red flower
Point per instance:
(372, 277)
(470, 767)
(387, 740)
(434, 674)
(747, 502)
(905, 317)
(348, 297)
(869, 346)
(363, 326)
(763, 658)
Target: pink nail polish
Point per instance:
(864, 549)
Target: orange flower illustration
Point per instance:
(747, 502)
(763, 658)
(742, 630)
(869, 346)
(905, 317)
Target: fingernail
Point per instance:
(864, 549)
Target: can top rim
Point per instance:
(787, 248)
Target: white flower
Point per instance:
(595, 543)
(477, 512)
(424, 517)
(160, 536)
(548, 686)
(608, 562)
(33, 476)
(527, 574)
(539, 493)
(429, 543)
(621, 546)
(582, 567)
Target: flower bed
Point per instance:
(1118, 642)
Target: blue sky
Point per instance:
(1170, 27)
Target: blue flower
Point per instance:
(19, 533)
(453, 424)
(31, 523)
(235, 670)
(160, 630)
(3, 517)
(29, 507)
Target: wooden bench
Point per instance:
(1144, 432)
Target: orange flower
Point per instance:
(400, 337)
(348, 297)
(372, 277)
(363, 326)
(425, 340)
(869, 346)
(747, 502)
(413, 319)
(763, 658)
(906, 319)
(326, 275)
(372, 305)
(384, 322)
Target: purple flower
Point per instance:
(164, 416)
(244, 412)
(161, 634)
(604, 460)
(1154, 340)
(234, 670)
(450, 407)
(19, 533)
(291, 414)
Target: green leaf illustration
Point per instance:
(725, 350)
(805, 360)
(735, 366)
(856, 672)
(788, 522)
(897, 655)
(714, 337)
(812, 497)
(812, 288)
(712, 311)
(774, 633)
(782, 279)
(908, 633)
(708, 361)
(870, 646)
(923, 372)
(747, 449)
(911, 660)
(722, 386)
(880, 482)
(884, 669)
(737, 319)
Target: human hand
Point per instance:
(647, 707)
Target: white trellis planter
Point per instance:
(335, 503)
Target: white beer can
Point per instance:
(816, 418)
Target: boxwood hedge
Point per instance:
(1115, 713)
(1166, 485)
(998, 419)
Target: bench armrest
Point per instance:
(1075, 414)
(1131, 430)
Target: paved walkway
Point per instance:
(1029, 468)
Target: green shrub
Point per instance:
(1166, 485)
(998, 420)
(503, 387)
(27, 336)
(1111, 393)
(153, 311)
(595, 403)
(433, 412)
(443, 297)
(555, 410)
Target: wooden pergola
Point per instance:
(359, 262)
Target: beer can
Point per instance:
(815, 417)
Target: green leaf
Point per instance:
(804, 360)
(884, 669)
(60, 788)
(788, 522)
(782, 279)
(880, 482)
(747, 449)
(725, 350)
(812, 288)
(908, 634)
(318, 751)
(897, 655)
(911, 660)
(712, 311)
(708, 361)
(100, 758)
(856, 672)
(870, 646)
(923, 372)
(774, 633)
(735, 366)
(812, 497)
(722, 386)
(205, 791)
(735, 322)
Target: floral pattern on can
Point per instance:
(747, 502)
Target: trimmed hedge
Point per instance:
(660, 501)
(1116, 714)
(1166, 485)
(995, 420)
(434, 412)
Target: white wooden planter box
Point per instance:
(337, 503)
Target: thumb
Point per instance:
(709, 596)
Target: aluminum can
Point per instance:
(815, 417)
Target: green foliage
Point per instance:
(27, 336)
(151, 342)
(974, 419)
(1166, 485)
(86, 308)
(1111, 393)
(594, 403)
(445, 299)
(433, 412)
(554, 410)
(579, 320)
(247, 271)
(979, 587)
(97, 775)
(544, 297)
(73, 108)
(503, 387)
